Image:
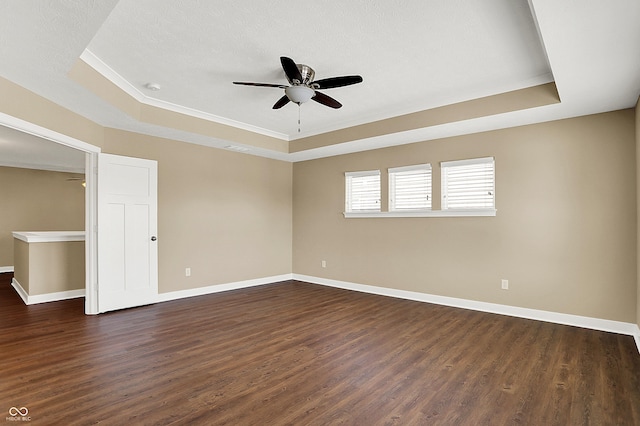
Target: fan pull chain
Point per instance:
(299, 118)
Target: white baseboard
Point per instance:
(44, 298)
(200, 291)
(5, 269)
(619, 327)
(23, 294)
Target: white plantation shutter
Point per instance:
(362, 191)
(468, 184)
(410, 188)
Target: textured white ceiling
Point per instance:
(19, 149)
(412, 54)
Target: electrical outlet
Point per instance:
(324, 263)
(187, 272)
(505, 284)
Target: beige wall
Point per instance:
(37, 200)
(564, 235)
(21, 103)
(225, 215)
(21, 257)
(43, 268)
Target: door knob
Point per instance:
(153, 238)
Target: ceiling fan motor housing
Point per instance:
(307, 74)
(300, 92)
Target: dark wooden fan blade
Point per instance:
(291, 70)
(281, 102)
(330, 83)
(326, 100)
(244, 83)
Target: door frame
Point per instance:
(91, 198)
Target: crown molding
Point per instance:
(110, 74)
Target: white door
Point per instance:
(127, 230)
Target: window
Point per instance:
(362, 191)
(468, 184)
(410, 188)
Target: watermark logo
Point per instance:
(18, 414)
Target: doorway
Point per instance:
(90, 153)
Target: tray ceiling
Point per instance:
(414, 56)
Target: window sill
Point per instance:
(426, 213)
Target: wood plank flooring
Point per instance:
(294, 353)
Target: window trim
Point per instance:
(422, 213)
(391, 188)
(348, 197)
(466, 162)
(378, 214)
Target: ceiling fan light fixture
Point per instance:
(299, 94)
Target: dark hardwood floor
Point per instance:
(294, 353)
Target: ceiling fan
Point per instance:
(303, 87)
